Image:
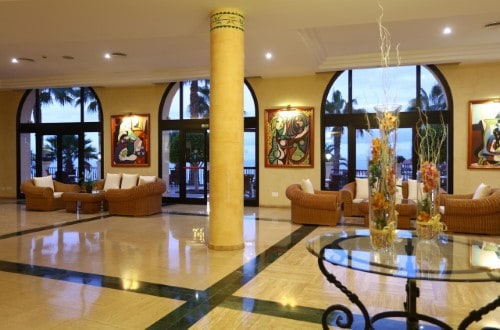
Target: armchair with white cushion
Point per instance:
(474, 213)
(44, 193)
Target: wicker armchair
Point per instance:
(144, 199)
(44, 198)
(463, 214)
(320, 208)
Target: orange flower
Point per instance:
(378, 201)
(423, 216)
(376, 149)
(429, 176)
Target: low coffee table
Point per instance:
(89, 202)
(406, 209)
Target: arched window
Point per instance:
(60, 134)
(184, 131)
(349, 124)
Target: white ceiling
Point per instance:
(167, 40)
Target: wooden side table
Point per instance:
(89, 202)
(406, 209)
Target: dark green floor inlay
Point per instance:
(192, 311)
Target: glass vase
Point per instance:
(382, 180)
(428, 224)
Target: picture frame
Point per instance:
(289, 137)
(484, 254)
(484, 134)
(130, 141)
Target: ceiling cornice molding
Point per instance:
(456, 55)
(111, 79)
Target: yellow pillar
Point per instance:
(226, 129)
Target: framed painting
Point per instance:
(484, 134)
(289, 137)
(130, 140)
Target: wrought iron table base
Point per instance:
(410, 306)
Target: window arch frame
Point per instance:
(182, 123)
(353, 121)
(30, 102)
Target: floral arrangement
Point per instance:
(382, 164)
(381, 170)
(429, 148)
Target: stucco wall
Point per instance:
(467, 82)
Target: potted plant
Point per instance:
(87, 185)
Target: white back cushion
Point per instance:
(483, 190)
(412, 189)
(399, 189)
(112, 181)
(143, 179)
(129, 180)
(361, 188)
(44, 181)
(307, 186)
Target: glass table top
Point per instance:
(448, 258)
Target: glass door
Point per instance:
(60, 157)
(196, 164)
(185, 165)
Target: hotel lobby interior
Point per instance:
(98, 270)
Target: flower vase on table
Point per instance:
(428, 224)
(382, 180)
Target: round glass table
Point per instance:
(447, 258)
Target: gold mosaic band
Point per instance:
(227, 19)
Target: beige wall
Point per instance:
(136, 100)
(467, 82)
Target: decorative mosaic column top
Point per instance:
(227, 18)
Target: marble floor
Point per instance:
(63, 270)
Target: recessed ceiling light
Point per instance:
(447, 30)
(269, 55)
(114, 55)
(492, 24)
(21, 59)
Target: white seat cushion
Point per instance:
(483, 190)
(44, 181)
(361, 188)
(58, 194)
(307, 186)
(129, 181)
(112, 181)
(143, 179)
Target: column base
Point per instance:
(226, 247)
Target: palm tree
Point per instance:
(199, 99)
(336, 106)
(433, 141)
(69, 150)
(59, 95)
(436, 100)
(89, 99)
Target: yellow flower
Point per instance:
(388, 122)
(376, 149)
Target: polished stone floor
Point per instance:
(63, 270)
